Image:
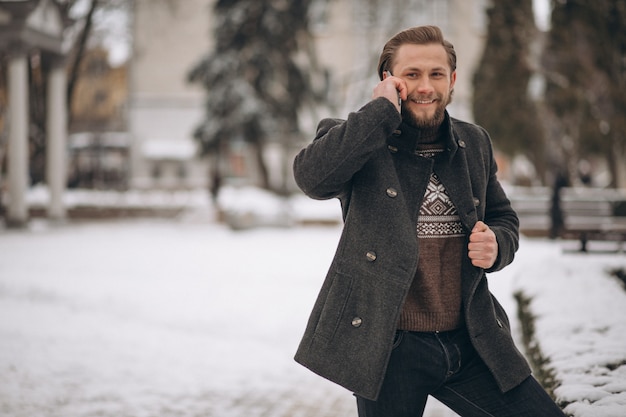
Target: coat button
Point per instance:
(397, 132)
(462, 144)
(392, 149)
(476, 202)
(371, 256)
(392, 192)
(357, 321)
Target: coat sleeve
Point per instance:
(500, 216)
(324, 168)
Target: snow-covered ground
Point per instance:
(156, 318)
(187, 317)
(580, 325)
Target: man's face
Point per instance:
(429, 80)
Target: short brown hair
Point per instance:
(419, 35)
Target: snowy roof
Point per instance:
(169, 149)
(84, 140)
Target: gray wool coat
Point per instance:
(368, 162)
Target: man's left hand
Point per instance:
(483, 246)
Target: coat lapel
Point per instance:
(455, 176)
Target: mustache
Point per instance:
(432, 97)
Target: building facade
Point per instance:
(169, 38)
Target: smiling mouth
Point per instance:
(423, 101)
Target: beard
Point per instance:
(422, 121)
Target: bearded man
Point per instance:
(405, 311)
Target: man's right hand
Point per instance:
(391, 88)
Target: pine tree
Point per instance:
(501, 100)
(257, 77)
(585, 63)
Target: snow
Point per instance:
(581, 326)
(129, 318)
(186, 317)
(38, 197)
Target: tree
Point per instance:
(256, 77)
(90, 29)
(585, 65)
(502, 101)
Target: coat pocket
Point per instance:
(334, 306)
(359, 310)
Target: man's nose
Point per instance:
(424, 85)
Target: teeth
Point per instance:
(423, 101)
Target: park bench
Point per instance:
(588, 214)
(594, 216)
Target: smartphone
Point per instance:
(389, 74)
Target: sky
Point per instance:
(542, 13)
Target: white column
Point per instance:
(56, 149)
(17, 210)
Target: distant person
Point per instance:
(405, 311)
(585, 173)
(557, 220)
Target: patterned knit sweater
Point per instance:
(434, 299)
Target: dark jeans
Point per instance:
(446, 366)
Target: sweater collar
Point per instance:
(407, 137)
